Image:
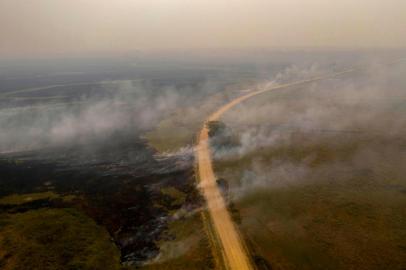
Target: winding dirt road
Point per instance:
(230, 242)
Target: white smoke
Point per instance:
(364, 109)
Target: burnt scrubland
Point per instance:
(317, 176)
(97, 166)
(120, 190)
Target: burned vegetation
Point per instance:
(118, 187)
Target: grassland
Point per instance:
(55, 239)
(332, 196)
(354, 223)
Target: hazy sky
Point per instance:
(83, 26)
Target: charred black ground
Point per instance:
(116, 184)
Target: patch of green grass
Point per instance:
(189, 249)
(18, 199)
(180, 128)
(55, 239)
(169, 136)
(178, 196)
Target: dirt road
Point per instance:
(229, 239)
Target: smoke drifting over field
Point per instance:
(25, 128)
(119, 106)
(333, 130)
(327, 110)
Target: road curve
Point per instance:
(229, 240)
